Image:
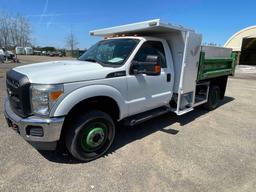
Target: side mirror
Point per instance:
(149, 67)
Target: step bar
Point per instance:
(142, 117)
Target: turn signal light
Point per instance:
(55, 95)
(157, 69)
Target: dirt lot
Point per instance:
(200, 151)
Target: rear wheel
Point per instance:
(90, 135)
(213, 98)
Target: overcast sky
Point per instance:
(52, 20)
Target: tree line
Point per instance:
(14, 31)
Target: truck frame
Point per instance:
(139, 71)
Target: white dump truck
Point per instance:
(137, 72)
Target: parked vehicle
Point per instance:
(60, 53)
(139, 71)
(44, 53)
(6, 55)
(37, 52)
(10, 55)
(56, 54)
(29, 51)
(2, 55)
(20, 50)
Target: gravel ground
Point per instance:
(200, 151)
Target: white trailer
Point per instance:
(20, 50)
(28, 50)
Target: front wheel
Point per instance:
(90, 135)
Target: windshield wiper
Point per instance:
(91, 60)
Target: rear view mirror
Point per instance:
(151, 66)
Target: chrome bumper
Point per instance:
(51, 128)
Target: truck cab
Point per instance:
(146, 88)
(137, 72)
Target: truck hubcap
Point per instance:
(93, 138)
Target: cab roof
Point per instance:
(151, 27)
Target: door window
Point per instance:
(151, 48)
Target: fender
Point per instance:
(62, 107)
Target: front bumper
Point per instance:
(51, 128)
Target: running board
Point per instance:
(181, 112)
(141, 117)
(184, 111)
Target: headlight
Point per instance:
(43, 97)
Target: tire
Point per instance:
(90, 135)
(213, 98)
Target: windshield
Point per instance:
(110, 52)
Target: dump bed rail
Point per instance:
(211, 68)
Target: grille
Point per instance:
(13, 83)
(17, 86)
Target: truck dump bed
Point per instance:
(215, 62)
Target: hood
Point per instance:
(55, 72)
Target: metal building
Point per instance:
(244, 43)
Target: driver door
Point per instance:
(147, 92)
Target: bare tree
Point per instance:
(4, 30)
(71, 42)
(14, 31)
(24, 31)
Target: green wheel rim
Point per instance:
(94, 137)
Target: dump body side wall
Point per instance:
(217, 67)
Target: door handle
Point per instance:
(168, 77)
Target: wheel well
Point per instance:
(221, 82)
(102, 103)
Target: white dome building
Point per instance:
(244, 42)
